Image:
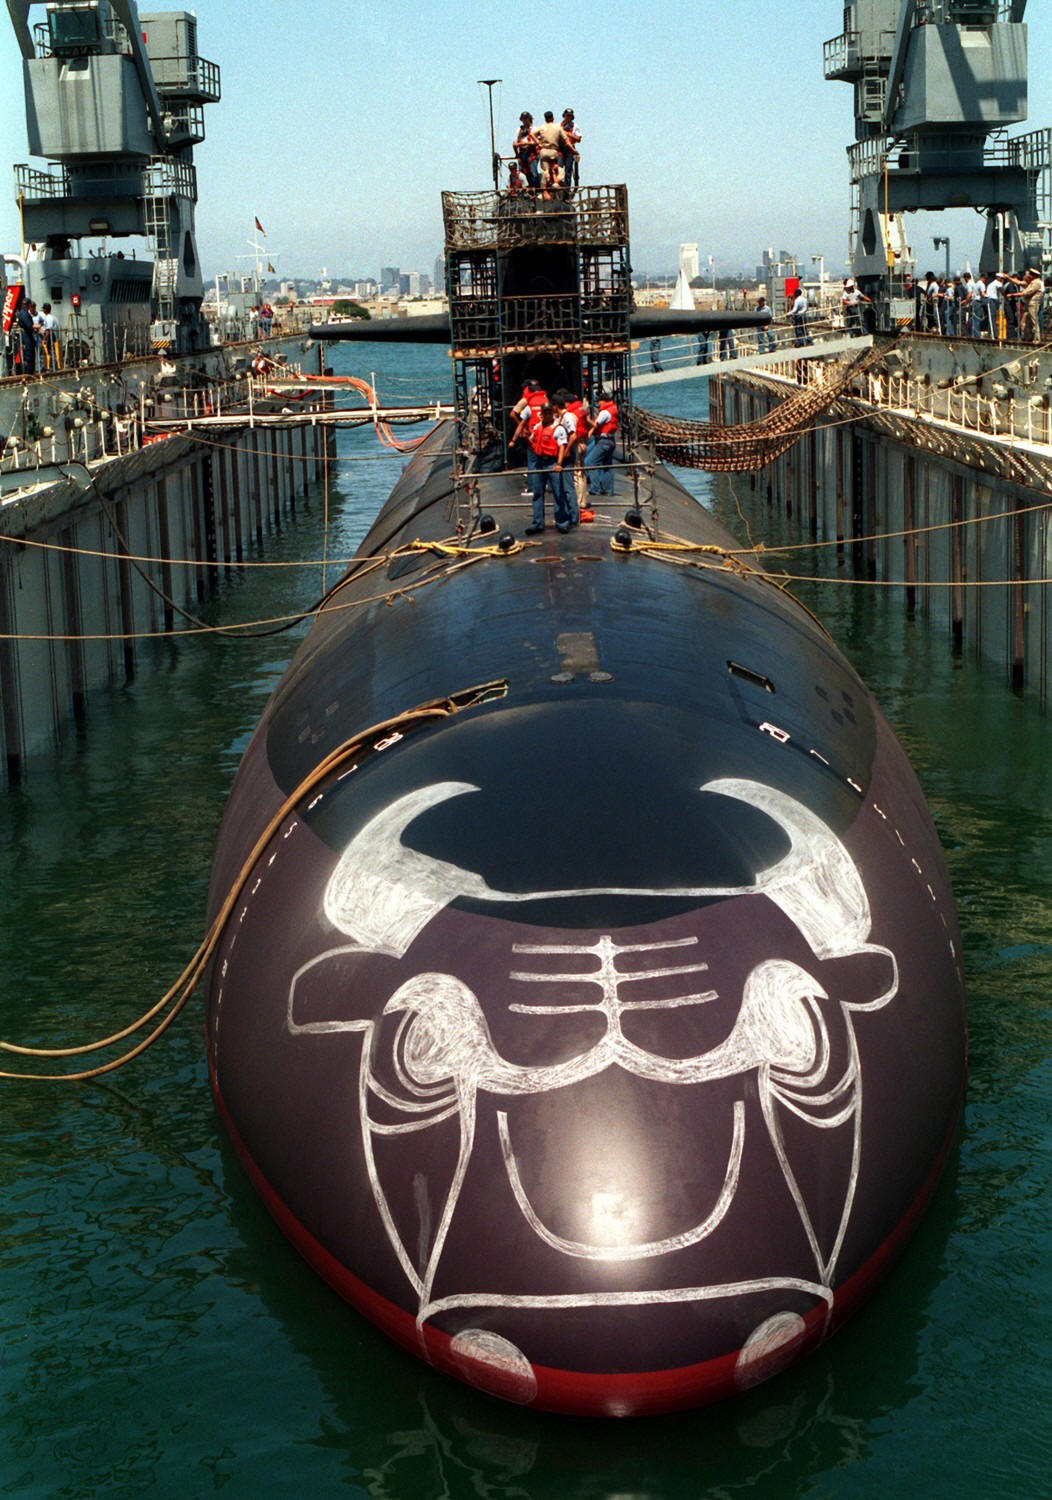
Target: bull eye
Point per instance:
(424, 1053)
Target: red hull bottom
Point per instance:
(586, 1393)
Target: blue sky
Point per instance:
(341, 121)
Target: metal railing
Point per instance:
(186, 123)
(954, 12)
(42, 182)
(1031, 152)
(87, 433)
(964, 407)
(165, 177)
(109, 30)
(691, 355)
(194, 76)
(846, 53)
(1008, 407)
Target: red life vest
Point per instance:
(535, 399)
(576, 410)
(609, 428)
(542, 441)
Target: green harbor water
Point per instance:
(157, 1335)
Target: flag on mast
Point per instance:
(270, 268)
(262, 231)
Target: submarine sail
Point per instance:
(591, 1012)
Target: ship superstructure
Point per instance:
(937, 84)
(115, 104)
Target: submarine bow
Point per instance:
(590, 1013)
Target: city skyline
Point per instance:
(342, 153)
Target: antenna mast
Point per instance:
(494, 158)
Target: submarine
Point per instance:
(588, 1006)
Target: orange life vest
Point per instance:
(608, 428)
(542, 441)
(576, 410)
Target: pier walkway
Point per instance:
(694, 356)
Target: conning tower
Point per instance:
(537, 288)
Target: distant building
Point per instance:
(439, 279)
(389, 279)
(688, 261)
(364, 289)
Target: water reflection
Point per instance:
(406, 1431)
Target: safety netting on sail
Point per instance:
(751, 445)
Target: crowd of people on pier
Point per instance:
(568, 450)
(545, 157)
(993, 304)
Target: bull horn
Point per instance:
(817, 883)
(382, 894)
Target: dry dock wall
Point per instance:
(940, 517)
(77, 614)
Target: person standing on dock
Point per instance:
(764, 336)
(798, 312)
(928, 293)
(851, 302)
(993, 304)
(577, 409)
(964, 299)
(27, 336)
(49, 337)
(978, 306)
(727, 345)
(953, 306)
(1029, 296)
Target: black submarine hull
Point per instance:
(600, 1040)
(434, 328)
